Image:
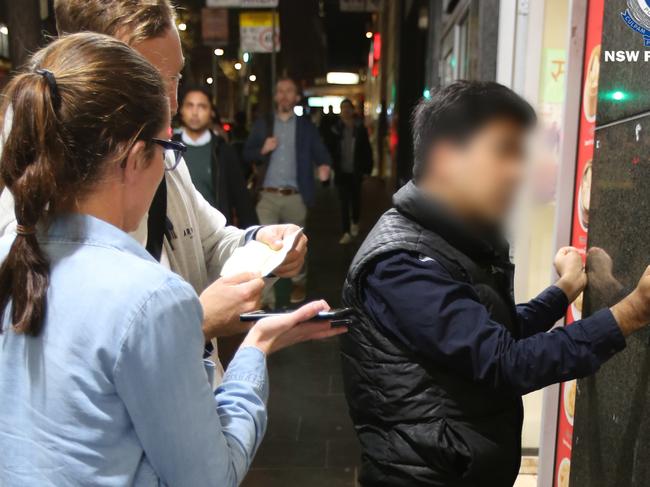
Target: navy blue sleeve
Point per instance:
(253, 146)
(418, 302)
(319, 153)
(540, 314)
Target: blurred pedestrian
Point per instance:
(285, 148)
(352, 160)
(328, 119)
(213, 163)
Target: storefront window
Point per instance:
(449, 62)
(462, 30)
(455, 51)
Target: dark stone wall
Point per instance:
(611, 442)
(488, 39)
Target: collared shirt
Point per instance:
(203, 139)
(418, 303)
(283, 169)
(113, 391)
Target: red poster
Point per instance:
(580, 224)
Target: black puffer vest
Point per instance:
(418, 422)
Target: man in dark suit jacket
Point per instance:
(213, 163)
(352, 157)
(285, 148)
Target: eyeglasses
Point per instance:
(173, 152)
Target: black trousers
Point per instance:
(349, 187)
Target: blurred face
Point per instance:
(196, 111)
(479, 177)
(166, 55)
(286, 96)
(347, 111)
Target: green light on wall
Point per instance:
(617, 96)
(427, 94)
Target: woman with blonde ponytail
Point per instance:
(101, 377)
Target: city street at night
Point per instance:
(324, 243)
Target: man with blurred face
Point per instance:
(213, 163)
(439, 355)
(285, 148)
(182, 230)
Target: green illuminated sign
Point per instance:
(617, 96)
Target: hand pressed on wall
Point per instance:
(633, 312)
(604, 288)
(569, 266)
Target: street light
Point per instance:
(4, 30)
(342, 78)
(182, 26)
(246, 57)
(218, 52)
(237, 66)
(209, 80)
(369, 35)
(252, 77)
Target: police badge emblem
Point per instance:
(637, 18)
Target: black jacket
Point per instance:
(419, 423)
(363, 160)
(232, 197)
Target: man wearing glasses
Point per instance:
(182, 230)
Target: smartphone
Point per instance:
(333, 315)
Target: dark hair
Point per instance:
(131, 21)
(290, 80)
(457, 111)
(79, 106)
(347, 101)
(196, 89)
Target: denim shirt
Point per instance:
(283, 171)
(113, 391)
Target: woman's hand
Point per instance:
(278, 332)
